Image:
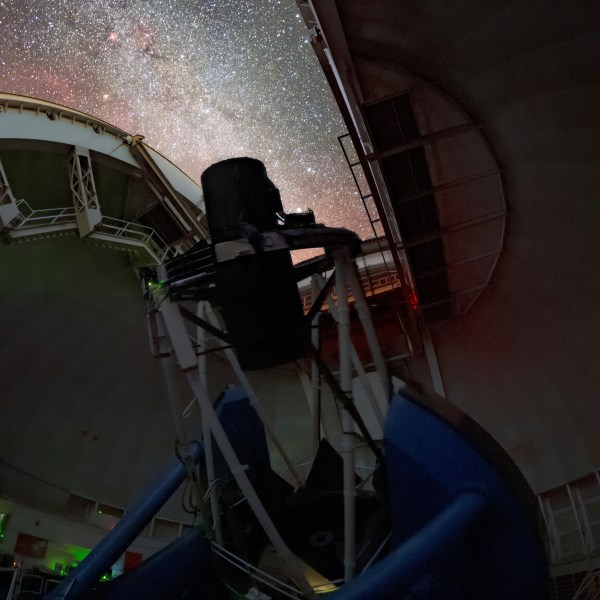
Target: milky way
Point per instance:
(202, 80)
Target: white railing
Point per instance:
(589, 588)
(136, 232)
(15, 584)
(44, 216)
(571, 514)
(109, 226)
(256, 574)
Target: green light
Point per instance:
(69, 555)
(3, 522)
(155, 285)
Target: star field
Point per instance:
(202, 80)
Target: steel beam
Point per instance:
(9, 212)
(83, 191)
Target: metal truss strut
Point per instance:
(83, 191)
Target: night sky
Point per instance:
(202, 80)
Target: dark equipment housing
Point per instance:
(258, 293)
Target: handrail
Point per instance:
(118, 228)
(47, 216)
(589, 588)
(135, 231)
(14, 584)
(256, 574)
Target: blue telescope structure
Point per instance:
(449, 516)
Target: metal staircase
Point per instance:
(116, 233)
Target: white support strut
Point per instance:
(342, 259)
(163, 350)
(188, 363)
(314, 374)
(9, 212)
(255, 402)
(206, 435)
(356, 362)
(83, 191)
(364, 315)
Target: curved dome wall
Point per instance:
(83, 406)
(523, 361)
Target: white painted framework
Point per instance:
(83, 190)
(35, 124)
(572, 518)
(9, 212)
(174, 345)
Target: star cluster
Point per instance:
(202, 80)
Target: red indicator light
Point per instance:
(414, 301)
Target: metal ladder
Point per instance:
(408, 324)
(356, 171)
